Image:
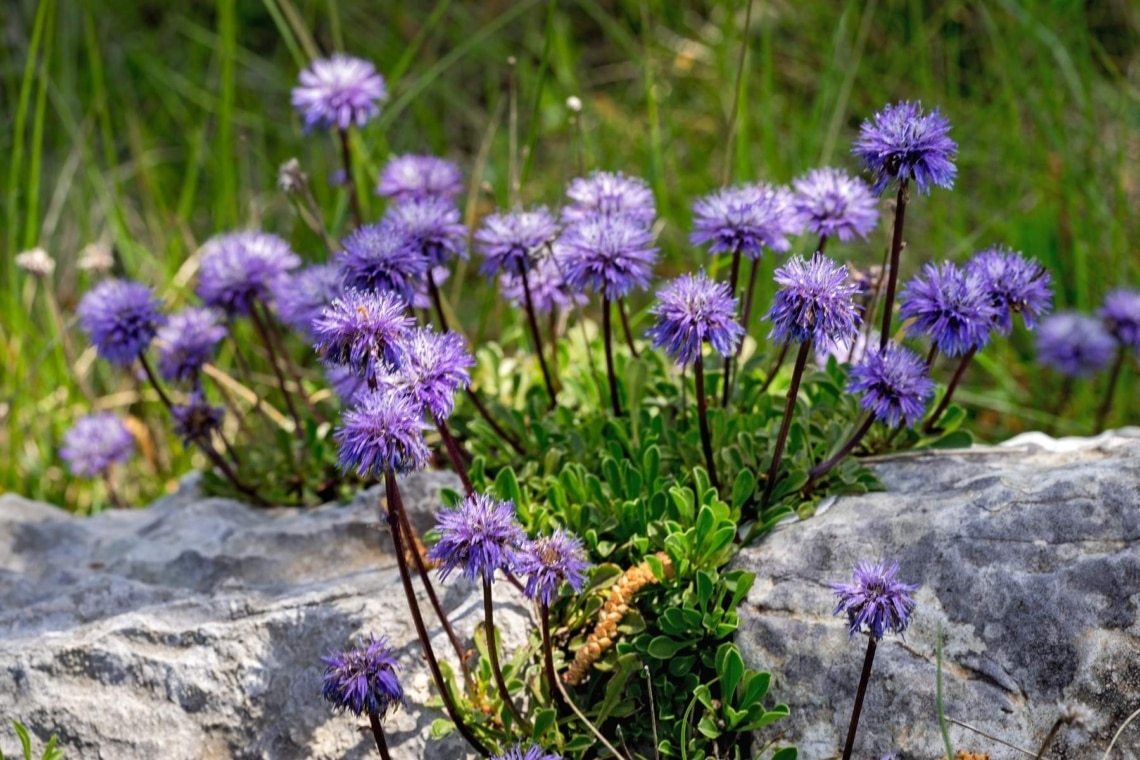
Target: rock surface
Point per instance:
(1028, 556)
(193, 630)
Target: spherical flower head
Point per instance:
(480, 535)
(549, 561)
(894, 383)
(548, 288)
(121, 317)
(338, 92)
(363, 679)
(815, 302)
(36, 262)
(877, 599)
(383, 432)
(609, 193)
(433, 367)
(94, 443)
(431, 228)
(1121, 314)
(382, 257)
(239, 268)
(362, 329)
(302, 296)
(510, 243)
(196, 420)
(693, 310)
(533, 752)
(1076, 345)
(902, 143)
(831, 203)
(951, 306)
(408, 177)
(1016, 285)
(612, 255)
(186, 342)
(745, 219)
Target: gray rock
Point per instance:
(193, 629)
(1028, 556)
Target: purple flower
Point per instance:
(609, 254)
(876, 599)
(903, 143)
(1016, 285)
(1076, 345)
(480, 536)
(609, 193)
(533, 752)
(815, 302)
(548, 288)
(94, 443)
(382, 257)
(512, 242)
(301, 297)
(362, 329)
(405, 177)
(195, 421)
(186, 342)
(894, 384)
(363, 679)
(951, 306)
(338, 92)
(431, 228)
(239, 268)
(831, 203)
(121, 317)
(744, 219)
(433, 366)
(692, 310)
(1121, 314)
(382, 432)
(549, 561)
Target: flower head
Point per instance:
(431, 228)
(186, 342)
(301, 297)
(1016, 285)
(894, 384)
(548, 561)
(951, 306)
(96, 257)
(744, 219)
(609, 193)
(121, 317)
(239, 268)
(405, 177)
(363, 679)
(480, 536)
(692, 310)
(1121, 314)
(1076, 345)
(533, 752)
(382, 257)
(609, 254)
(903, 143)
(338, 92)
(37, 261)
(94, 443)
(195, 421)
(383, 432)
(512, 242)
(362, 329)
(877, 599)
(548, 288)
(815, 302)
(831, 203)
(433, 366)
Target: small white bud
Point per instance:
(36, 261)
(574, 103)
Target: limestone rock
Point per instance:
(1028, 556)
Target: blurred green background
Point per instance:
(144, 127)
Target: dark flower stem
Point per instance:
(536, 334)
(454, 453)
(1049, 737)
(607, 335)
(703, 420)
(786, 423)
(733, 279)
(493, 652)
(821, 246)
(893, 274)
(625, 327)
(823, 468)
(349, 178)
(868, 661)
(274, 362)
(932, 420)
(547, 648)
(378, 735)
(395, 508)
(1113, 377)
(930, 357)
(776, 365)
(287, 361)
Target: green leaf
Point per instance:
(959, 439)
(506, 486)
(743, 488)
(787, 753)
(627, 665)
(730, 668)
(25, 740)
(544, 720)
(441, 727)
(663, 647)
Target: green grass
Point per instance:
(151, 127)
